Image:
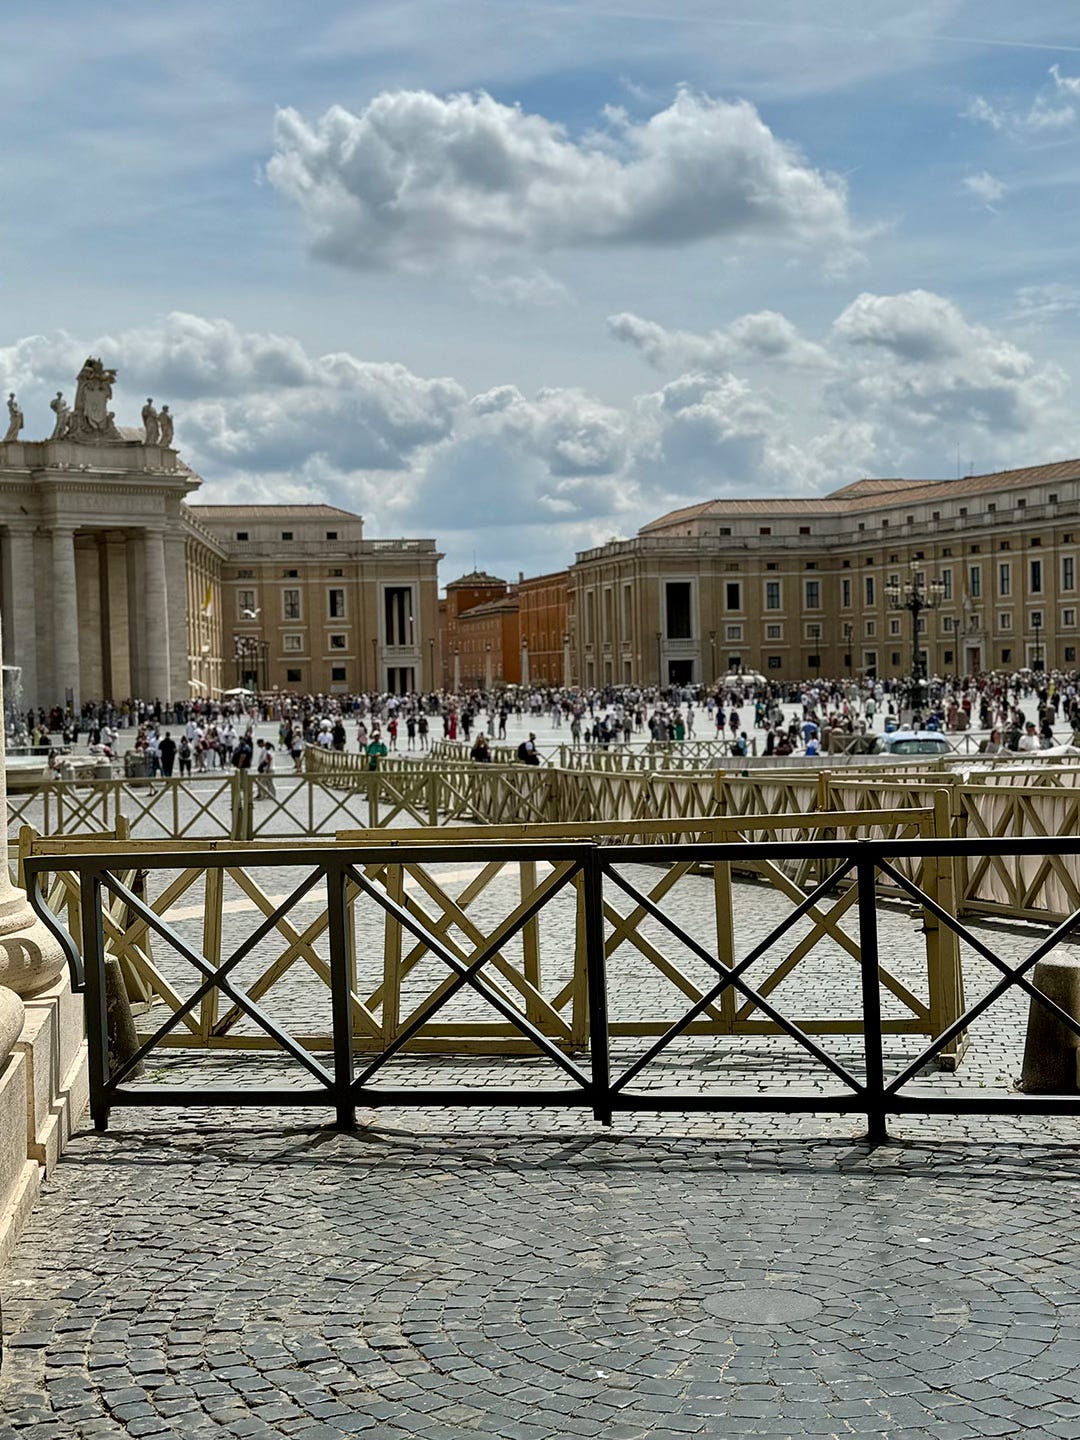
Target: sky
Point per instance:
(522, 275)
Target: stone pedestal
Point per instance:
(1051, 1064)
(55, 1050)
(20, 1176)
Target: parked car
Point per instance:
(913, 742)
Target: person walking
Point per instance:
(167, 750)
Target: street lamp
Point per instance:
(915, 594)
(1036, 625)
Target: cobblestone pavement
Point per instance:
(458, 1276)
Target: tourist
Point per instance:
(375, 750)
(480, 750)
(167, 750)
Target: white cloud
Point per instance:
(1052, 110)
(985, 187)
(755, 408)
(414, 181)
(765, 335)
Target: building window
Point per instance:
(772, 594)
(290, 604)
(774, 662)
(948, 657)
(948, 624)
(1052, 499)
(1068, 617)
(1004, 580)
(292, 644)
(337, 673)
(1004, 620)
(292, 676)
(845, 594)
(335, 574)
(992, 508)
(245, 600)
(896, 657)
(331, 534)
(868, 584)
(1006, 656)
(733, 632)
(765, 530)
(245, 574)
(241, 534)
(1036, 619)
(1070, 654)
(804, 529)
(1021, 503)
(337, 642)
(336, 603)
(869, 659)
(946, 583)
(725, 529)
(814, 661)
(813, 594)
(678, 609)
(771, 565)
(871, 627)
(894, 627)
(774, 632)
(286, 534)
(627, 612)
(1035, 577)
(974, 581)
(813, 631)
(1068, 572)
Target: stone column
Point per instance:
(65, 636)
(177, 605)
(20, 612)
(154, 648)
(114, 616)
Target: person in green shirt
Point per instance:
(375, 750)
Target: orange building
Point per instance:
(545, 630)
(479, 633)
(490, 644)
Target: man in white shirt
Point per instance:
(1029, 740)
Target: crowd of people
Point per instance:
(748, 714)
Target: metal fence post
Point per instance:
(340, 995)
(593, 918)
(865, 871)
(97, 1024)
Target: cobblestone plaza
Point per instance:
(527, 1273)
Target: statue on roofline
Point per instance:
(15, 418)
(90, 417)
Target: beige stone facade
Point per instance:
(309, 605)
(113, 587)
(798, 588)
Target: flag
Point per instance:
(208, 599)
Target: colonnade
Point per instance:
(92, 614)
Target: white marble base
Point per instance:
(20, 1178)
(53, 1044)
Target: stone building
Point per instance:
(545, 636)
(309, 605)
(462, 595)
(797, 588)
(489, 644)
(113, 586)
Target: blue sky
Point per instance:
(523, 276)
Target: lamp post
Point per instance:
(457, 669)
(915, 594)
(1036, 625)
(487, 667)
(524, 662)
(566, 659)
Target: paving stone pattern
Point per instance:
(460, 1277)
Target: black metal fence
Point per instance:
(593, 1079)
